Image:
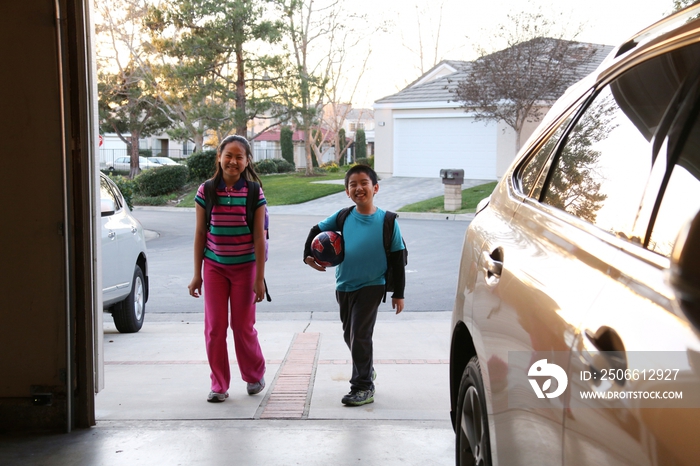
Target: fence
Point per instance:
(261, 154)
(107, 156)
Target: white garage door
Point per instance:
(422, 146)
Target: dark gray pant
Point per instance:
(358, 313)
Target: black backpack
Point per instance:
(387, 235)
(250, 201)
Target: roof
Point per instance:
(442, 88)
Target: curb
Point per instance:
(435, 216)
(404, 215)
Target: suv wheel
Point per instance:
(472, 445)
(128, 315)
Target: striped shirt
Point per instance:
(229, 240)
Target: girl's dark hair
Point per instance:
(249, 173)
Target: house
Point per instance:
(422, 129)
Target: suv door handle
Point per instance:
(111, 234)
(612, 351)
(493, 267)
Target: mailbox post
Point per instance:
(452, 178)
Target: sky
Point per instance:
(394, 62)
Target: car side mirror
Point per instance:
(685, 270)
(107, 207)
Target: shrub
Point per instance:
(202, 164)
(145, 152)
(126, 186)
(287, 144)
(161, 180)
(366, 161)
(283, 166)
(360, 145)
(331, 167)
(266, 166)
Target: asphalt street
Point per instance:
(434, 248)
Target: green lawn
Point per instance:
(470, 198)
(288, 188)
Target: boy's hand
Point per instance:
(397, 304)
(312, 262)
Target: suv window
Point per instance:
(603, 168)
(530, 172)
(680, 200)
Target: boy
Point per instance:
(360, 282)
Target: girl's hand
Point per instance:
(195, 287)
(259, 289)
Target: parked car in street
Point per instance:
(124, 260)
(163, 161)
(124, 163)
(576, 325)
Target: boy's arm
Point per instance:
(308, 256)
(399, 269)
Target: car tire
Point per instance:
(472, 427)
(128, 315)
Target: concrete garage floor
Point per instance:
(154, 409)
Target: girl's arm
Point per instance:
(259, 242)
(200, 240)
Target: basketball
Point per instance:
(327, 248)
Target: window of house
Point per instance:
(352, 126)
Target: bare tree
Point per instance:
(320, 35)
(680, 4)
(516, 84)
(334, 111)
(427, 48)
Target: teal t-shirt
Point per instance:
(365, 258)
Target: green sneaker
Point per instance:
(358, 398)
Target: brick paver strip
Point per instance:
(290, 393)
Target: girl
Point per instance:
(229, 257)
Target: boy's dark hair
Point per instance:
(361, 169)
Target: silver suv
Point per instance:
(576, 326)
(124, 260)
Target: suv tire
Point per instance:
(472, 427)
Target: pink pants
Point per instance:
(234, 284)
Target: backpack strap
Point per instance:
(342, 215)
(210, 197)
(387, 235)
(388, 230)
(251, 200)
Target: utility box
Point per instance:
(452, 178)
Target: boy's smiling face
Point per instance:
(361, 191)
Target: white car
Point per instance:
(124, 260)
(163, 160)
(124, 163)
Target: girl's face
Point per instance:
(233, 160)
